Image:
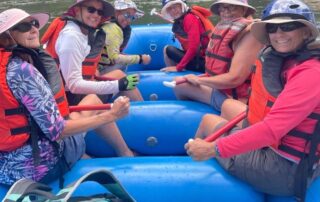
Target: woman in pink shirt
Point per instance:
(278, 150)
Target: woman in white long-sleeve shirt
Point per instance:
(73, 40)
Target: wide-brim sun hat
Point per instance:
(11, 17)
(258, 29)
(244, 3)
(167, 3)
(107, 8)
(126, 4)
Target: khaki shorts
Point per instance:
(264, 169)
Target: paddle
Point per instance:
(172, 84)
(89, 107)
(228, 126)
(154, 12)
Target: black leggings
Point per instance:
(196, 64)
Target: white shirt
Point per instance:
(72, 48)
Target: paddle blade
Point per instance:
(153, 11)
(170, 84)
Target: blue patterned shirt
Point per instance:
(31, 89)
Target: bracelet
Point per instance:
(216, 148)
(140, 59)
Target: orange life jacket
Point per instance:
(16, 124)
(203, 15)
(265, 90)
(89, 65)
(219, 52)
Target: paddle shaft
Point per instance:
(89, 107)
(226, 127)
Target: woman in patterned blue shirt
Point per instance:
(60, 142)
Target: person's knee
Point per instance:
(226, 105)
(118, 74)
(91, 99)
(165, 50)
(231, 108)
(211, 119)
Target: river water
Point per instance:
(56, 7)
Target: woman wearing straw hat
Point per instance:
(118, 32)
(278, 151)
(76, 43)
(36, 142)
(192, 28)
(229, 57)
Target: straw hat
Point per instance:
(11, 17)
(107, 8)
(244, 3)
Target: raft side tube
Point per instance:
(151, 84)
(150, 39)
(155, 128)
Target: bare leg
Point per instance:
(133, 95)
(109, 132)
(187, 91)
(231, 108)
(167, 60)
(208, 125)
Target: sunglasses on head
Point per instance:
(129, 17)
(26, 26)
(92, 10)
(285, 27)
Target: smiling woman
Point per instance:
(286, 148)
(35, 135)
(26, 33)
(56, 7)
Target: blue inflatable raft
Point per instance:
(150, 39)
(158, 130)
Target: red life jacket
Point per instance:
(219, 52)
(16, 123)
(14, 126)
(203, 15)
(265, 90)
(89, 65)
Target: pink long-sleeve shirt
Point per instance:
(299, 98)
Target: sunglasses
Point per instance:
(285, 27)
(26, 26)
(129, 17)
(92, 10)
